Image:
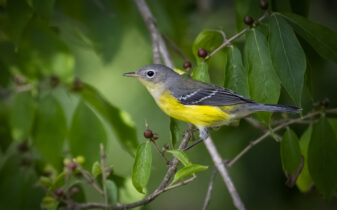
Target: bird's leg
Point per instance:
(203, 133)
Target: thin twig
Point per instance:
(224, 173)
(162, 154)
(228, 41)
(89, 179)
(158, 45)
(209, 190)
(175, 48)
(269, 132)
(102, 205)
(102, 155)
(163, 185)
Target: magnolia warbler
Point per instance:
(204, 105)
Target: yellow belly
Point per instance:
(199, 115)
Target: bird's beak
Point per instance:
(130, 74)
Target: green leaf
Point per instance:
(236, 77)
(50, 130)
(102, 24)
(321, 38)
(264, 85)
(287, 56)
(290, 152)
(120, 122)
(244, 8)
(304, 180)
(96, 169)
(42, 53)
(112, 192)
(142, 167)
(208, 40)
(187, 171)
(86, 134)
(22, 115)
(43, 8)
(201, 72)
(181, 156)
(322, 157)
(176, 130)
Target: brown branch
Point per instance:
(89, 179)
(163, 185)
(162, 154)
(228, 41)
(209, 190)
(158, 45)
(103, 157)
(224, 173)
(279, 127)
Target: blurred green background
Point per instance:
(104, 39)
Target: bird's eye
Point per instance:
(150, 74)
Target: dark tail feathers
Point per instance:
(274, 108)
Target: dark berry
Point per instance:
(264, 5)
(23, 147)
(325, 102)
(54, 81)
(74, 190)
(166, 147)
(248, 20)
(72, 165)
(77, 85)
(187, 65)
(25, 162)
(59, 192)
(202, 53)
(155, 136)
(148, 133)
(46, 174)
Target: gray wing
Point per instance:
(212, 95)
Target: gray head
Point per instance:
(153, 74)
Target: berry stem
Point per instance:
(228, 41)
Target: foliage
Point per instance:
(52, 123)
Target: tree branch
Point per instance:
(224, 173)
(158, 45)
(270, 132)
(228, 41)
(163, 185)
(102, 155)
(209, 190)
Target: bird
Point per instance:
(201, 104)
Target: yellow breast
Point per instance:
(199, 115)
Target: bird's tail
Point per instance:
(273, 108)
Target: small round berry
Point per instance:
(74, 190)
(264, 5)
(187, 65)
(166, 147)
(155, 136)
(59, 192)
(46, 174)
(148, 133)
(80, 159)
(72, 165)
(202, 53)
(248, 20)
(325, 102)
(23, 147)
(54, 81)
(77, 84)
